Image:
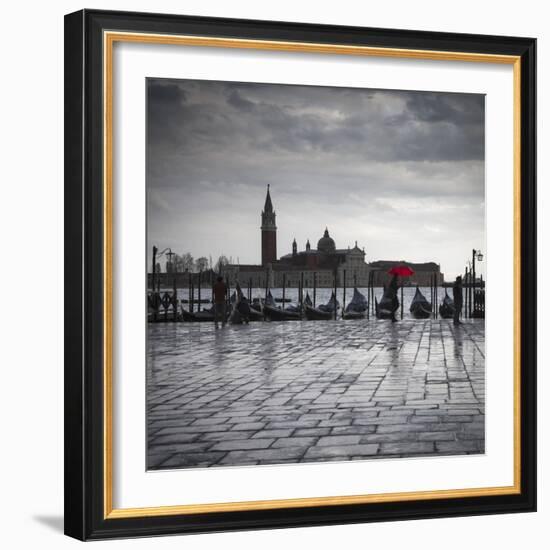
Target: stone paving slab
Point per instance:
(277, 393)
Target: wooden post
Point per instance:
(369, 278)
(284, 287)
(175, 301)
(435, 306)
(314, 287)
(189, 291)
(344, 296)
(433, 295)
(155, 250)
(335, 287)
(371, 290)
(266, 283)
(302, 288)
(200, 284)
(465, 293)
(432, 291)
(470, 293)
(368, 294)
(401, 301)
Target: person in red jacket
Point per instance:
(219, 293)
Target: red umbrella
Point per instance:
(401, 271)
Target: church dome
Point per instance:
(326, 243)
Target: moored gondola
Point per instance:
(204, 316)
(357, 308)
(241, 310)
(420, 307)
(447, 307)
(324, 312)
(274, 313)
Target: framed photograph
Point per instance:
(300, 274)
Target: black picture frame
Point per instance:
(85, 517)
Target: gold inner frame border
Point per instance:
(109, 39)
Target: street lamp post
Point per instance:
(156, 253)
(475, 254)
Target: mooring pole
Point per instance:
(432, 290)
(155, 250)
(434, 301)
(344, 296)
(200, 284)
(372, 291)
(372, 304)
(189, 290)
(436, 310)
(284, 287)
(314, 287)
(369, 277)
(368, 297)
(401, 301)
(335, 287)
(433, 296)
(175, 301)
(467, 294)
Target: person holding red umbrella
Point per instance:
(392, 292)
(397, 271)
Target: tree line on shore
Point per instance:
(181, 263)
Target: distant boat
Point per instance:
(420, 307)
(324, 312)
(387, 306)
(357, 307)
(447, 307)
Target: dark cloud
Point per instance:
(235, 99)
(212, 147)
(165, 93)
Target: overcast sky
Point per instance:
(400, 172)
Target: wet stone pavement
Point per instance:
(272, 393)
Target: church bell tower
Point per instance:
(269, 232)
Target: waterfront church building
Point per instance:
(323, 263)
